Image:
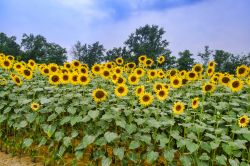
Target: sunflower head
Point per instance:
(161, 59)
(158, 86)
(83, 79)
(142, 58)
(6, 64)
(152, 74)
(243, 121)
(210, 71)
(211, 64)
(106, 74)
(160, 74)
(139, 72)
(99, 95)
(55, 79)
(148, 62)
(197, 68)
(236, 85)
(65, 78)
(133, 79)
(96, 69)
(242, 71)
(27, 74)
(178, 108)
(225, 79)
(67, 65)
(176, 82)
(162, 94)
(208, 88)
(17, 80)
(118, 70)
(139, 90)
(195, 102)
(191, 75)
(76, 63)
(121, 90)
(146, 99)
(119, 61)
(120, 80)
(34, 106)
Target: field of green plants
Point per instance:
(118, 113)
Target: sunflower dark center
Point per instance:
(146, 98)
(152, 73)
(148, 62)
(121, 89)
(176, 82)
(35, 106)
(158, 87)
(131, 65)
(197, 68)
(106, 73)
(74, 78)
(97, 68)
(161, 93)
(53, 69)
(27, 72)
(76, 64)
(139, 90)
(208, 87)
(236, 84)
(83, 78)
(6, 63)
(46, 70)
(139, 72)
(120, 80)
(17, 80)
(242, 120)
(55, 78)
(225, 79)
(118, 71)
(209, 70)
(65, 77)
(178, 108)
(242, 70)
(195, 102)
(191, 75)
(99, 94)
(133, 79)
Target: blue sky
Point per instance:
(189, 24)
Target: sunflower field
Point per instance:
(118, 113)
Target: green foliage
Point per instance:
(9, 46)
(185, 62)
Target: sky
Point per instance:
(189, 24)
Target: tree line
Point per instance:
(147, 40)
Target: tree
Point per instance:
(206, 55)
(8, 45)
(114, 53)
(38, 49)
(221, 58)
(185, 62)
(89, 54)
(147, 40)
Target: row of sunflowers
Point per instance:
(118, 113)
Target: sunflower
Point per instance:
(243, 121)
(6, 64)
(67, 65)
(96, 69)
(248, 81)
(65, 78)
(160, 74)
(106, 74)
(121, 90)
(99, 95)
(83, 70)
(225, 80)
(184, 81)
(215, 79)
(191, 76)
(210, 71)
(148, 62)
(183, 73)
(139, 90)
(242, 71)
(236, 85)
(176, 82)
(109, 65)
(133, 79)
(45, 71)
(178, 108)
(142, 59)
(121, 80)
(76, 63)
(211, 64)
(146, 99)
(197, 68)
(208, 88)
(161, 59)
(173, 72)
(27, 74)
(17, 80)
(162, 94)
(119, 61)
(158, 86)
(55, 79)
(167, 87)
(34, 106)
(152, 74)
(53, 68)
(31, 64)
(195, 102)
(10, 57)
(18, 66)
(118, 70)
(131, 65)
(83, 79)
(139, 72)
(74, 78)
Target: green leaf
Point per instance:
(31, 117)
(52, 117)
(67, 141)
(65, 120)
(87, 140)
(192, 147)
(61, 151)
(121, 123)
(42, 142)
(154, 123)
(78, 154)
(93, 114)
(221, 160)
(75, 120)
(119, 152)
(215, 144)
(228, 149)
(59, 110)
(134, 144)
(27, 142)
(110, 136)
(175, 135)
(206, 146)
(22, 124)
(131, 128)
(106, 161)
(169, 155)
(146, 139)
(204, 157)
(152, 156)
(71, 110)
(185, 160)
(59, 136)
(234, 162)
(45, 100)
